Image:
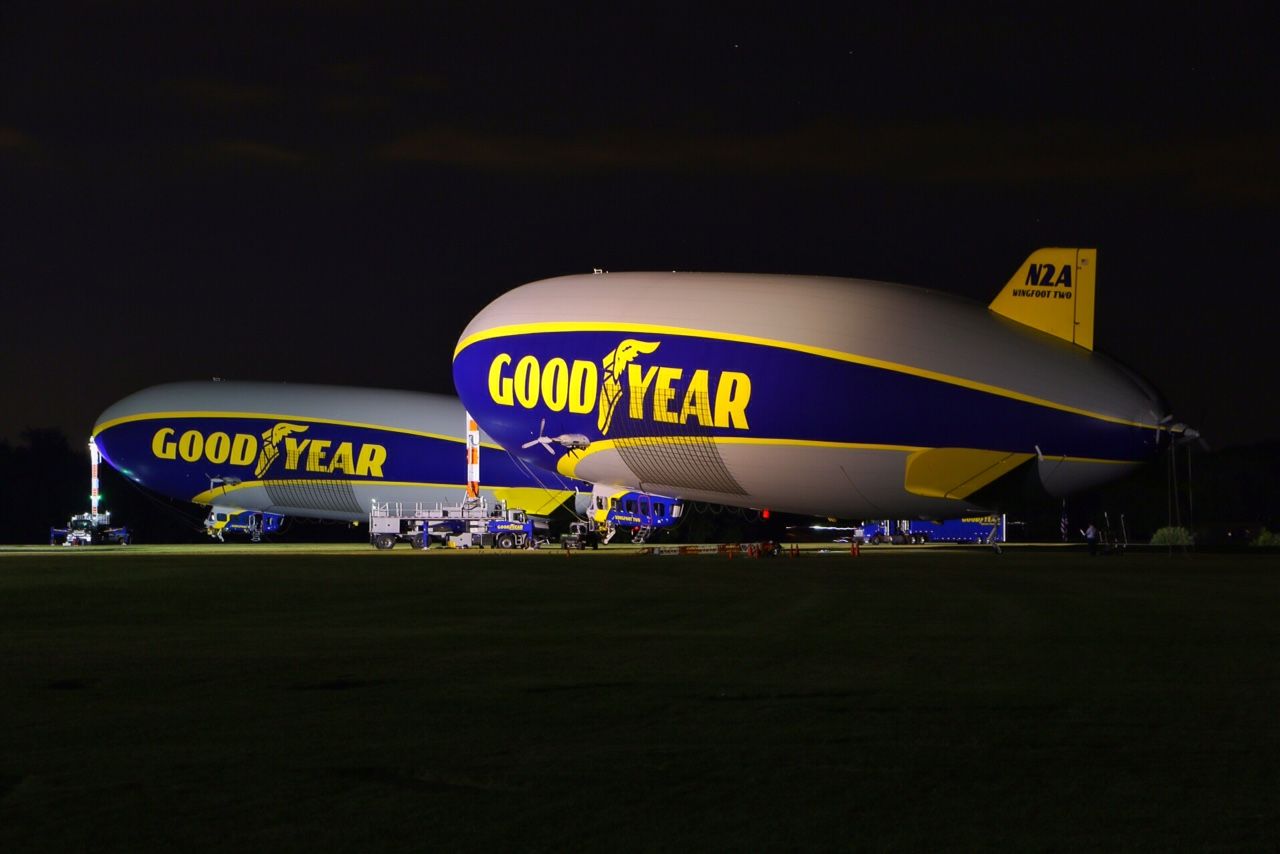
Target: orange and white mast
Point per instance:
(473, 459)
(95, 457)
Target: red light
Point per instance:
(765, 514)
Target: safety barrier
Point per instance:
(729, 550)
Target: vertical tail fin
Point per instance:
(1053, 292)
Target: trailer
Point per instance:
(970, 529)
(473, 523)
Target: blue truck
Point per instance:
(970, 529)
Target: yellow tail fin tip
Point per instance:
(1053, 291)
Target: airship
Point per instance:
(316, 451)
(812, 395)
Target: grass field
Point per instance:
(344, 699)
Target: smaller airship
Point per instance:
(314, 451)
(823, 396)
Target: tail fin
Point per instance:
(1053, 292)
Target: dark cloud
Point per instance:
(221, 95)
(256, 152)
(226, 178)
(1234, 168)
(15, 140)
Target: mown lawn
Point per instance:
(361, 701)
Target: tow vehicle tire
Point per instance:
(384, 541)
(416, 543)
(506, 541)
(877, 540)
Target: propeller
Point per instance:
(1184, 435)
(543, 439)
(1181, 434)
(571, 441)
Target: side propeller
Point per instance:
(570, 441)
(543, 439)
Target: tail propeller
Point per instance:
(1184, 435)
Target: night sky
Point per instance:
(329, 192)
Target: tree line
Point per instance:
(1221, 495)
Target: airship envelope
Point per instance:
(834, 397)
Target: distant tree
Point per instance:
(1266, 539)
(42, 482)
(1217, 490)
(1174, 536)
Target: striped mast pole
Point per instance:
(95, 457)
(473, 460)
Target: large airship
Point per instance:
(315, 451)
(822, 396)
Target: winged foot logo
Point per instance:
(654, 392)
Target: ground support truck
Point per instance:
(470, 524)
(89, 529)
(92, 528)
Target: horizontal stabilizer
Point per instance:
(957, 472)
(531, 499)
(1053, 292)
